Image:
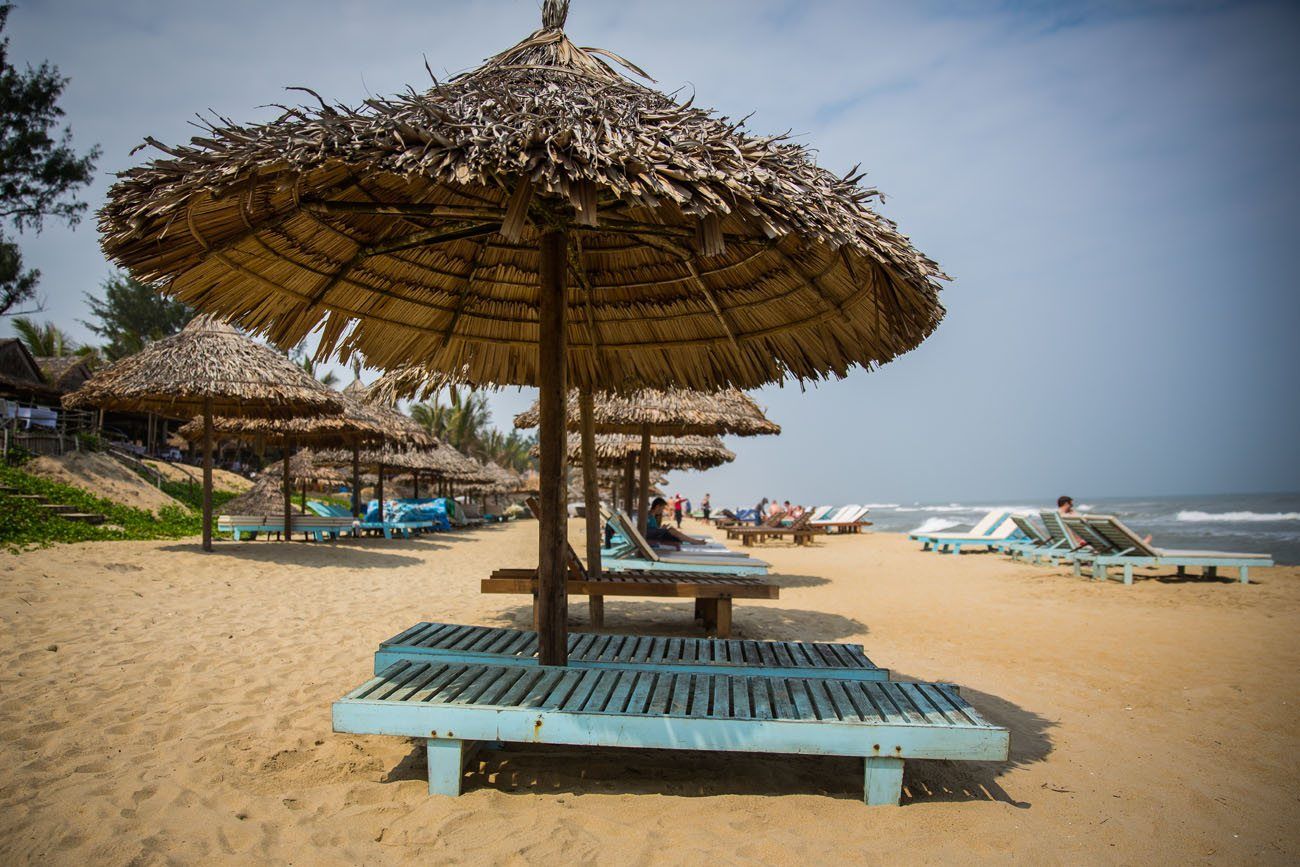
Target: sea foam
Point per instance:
(1238, 517)
(936, 525)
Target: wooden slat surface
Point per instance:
(521, 644)
(691, 695)
(675, 584)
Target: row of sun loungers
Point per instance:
(460, 687)
(330, 521)
(310, 526)
(1092, 542)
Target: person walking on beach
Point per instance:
(677, 510)
(760, 512)
(705, 507)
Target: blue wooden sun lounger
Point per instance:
(450, 642)
(455, 706)
(994, 530)
(1114, 544)
(639, 556)
(311, 526)
(386, 527)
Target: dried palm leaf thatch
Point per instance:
(304, 468)
(266, 497)
(440, 462)
(700, 255)
(493, 479)
(357, 424)
(667, 412)
(398, 427)
(207, 362)
(666, 453)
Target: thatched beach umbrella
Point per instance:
(651, 412)
(206, 369)
(302, 467)
(356, 425)
(441, 229)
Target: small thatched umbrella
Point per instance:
(303, 468)
(440, 228)
(651, 412)
(207, 368)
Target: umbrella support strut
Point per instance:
(551, 605)
(591, 501)
(207, 472)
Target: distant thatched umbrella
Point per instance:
(304, 470)
(207, 368)
(650, 412)
(666, 453)
(440, 228)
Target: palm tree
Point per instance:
(329, 378)
(432, 417)
(45, 339)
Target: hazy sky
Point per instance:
(1112, 187)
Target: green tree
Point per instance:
(39, 170)
(299, 356)
(45, 339)
(132, 314)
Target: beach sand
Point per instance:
(159, 705)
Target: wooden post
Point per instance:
(591, 498)
(415, 484)
(643, 495)
(288, 491)
(356, 479)
(207, 472)
(379, 491)
(629, 482)
(552, 385)
(302, 501)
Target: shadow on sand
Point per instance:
(782, 579)
(353, 554)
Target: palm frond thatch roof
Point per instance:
(266, 497)
(702, 255)
(304, 467)
(666, 453)
(668, 412)
(398, 427)
(207, 360)
(358, 423)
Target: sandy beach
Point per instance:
(162, 706)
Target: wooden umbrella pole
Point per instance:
(551, 605)
(643, 494)
(207, 474)
(356, 479)
(379, 491)
(302, 499)
(415, 485)
(591, 499)
(288, 491)
(629, 482)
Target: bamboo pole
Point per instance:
(591, 488)
(415, 484)
(551, 604)
(629, 482)
(287, 481)
(379, 491)
(643, 495)
(207, 473)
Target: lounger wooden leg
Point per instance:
(1245, 574)
(1128, 574)
(699, 610)
(883, 781)
(1182, 570)
(722, 618)
(447, 758)
(710, 607)
(1099, 571)
(1211, 571)
(535, 613)
(596, 605)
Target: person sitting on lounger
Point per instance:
(658, 529)
(705, 507)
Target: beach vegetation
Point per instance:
(131, 314)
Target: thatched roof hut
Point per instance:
(668, 412)
(207, 364)
(20, 374)
(266, 497)
(64, 372)
(666, 453)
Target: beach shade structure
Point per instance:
(301, 469)
(618, 451)
(206, 369)
(651, 412)
(544, 220)
(357, 425)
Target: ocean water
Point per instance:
(1258, 523)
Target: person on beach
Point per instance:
(760, 512)
(658, 531)
(1065, 506)
(677, 510)
(705, 507)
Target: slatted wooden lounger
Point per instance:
(801, 532)
(311, 526)
(450, 642)
(455, 706)
(1114, 544)
(850, 519)
(712, 593)
(641, 556)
